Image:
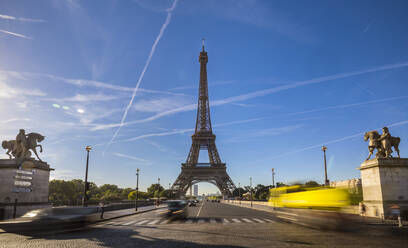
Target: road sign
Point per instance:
(21, 190)
(23, 177)
(27, 172)
(22, 183)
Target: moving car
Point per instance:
(57, 218)
(192, 203)
(177, 209)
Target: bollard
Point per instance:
(399, 221)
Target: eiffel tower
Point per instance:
(192, 171)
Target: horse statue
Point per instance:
(9, 145)
(32, 139)
(382, 143)
(21, 150)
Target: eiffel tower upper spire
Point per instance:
(203, 123)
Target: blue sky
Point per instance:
(285, 78)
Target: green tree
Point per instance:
(238, 192)
(280, 184)
(153, 188)
(312, 184)
(141, 195)
(124, 194)
(261, 192)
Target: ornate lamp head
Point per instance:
(88, 148)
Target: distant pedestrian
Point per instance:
(362, 209)
(102, 208)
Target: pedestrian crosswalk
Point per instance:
(164, 221)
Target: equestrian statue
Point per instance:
(382, 143)
(21, 146)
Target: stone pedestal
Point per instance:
(385, 185)
(31, 190)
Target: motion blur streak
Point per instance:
(163, 28)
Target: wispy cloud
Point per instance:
(14, 120)
(258, 93)
(151, 118)
(103, 85)
(264, 133)
(16, 34)
(162, 29)
(350, 105)
(159, 105)
(83, 82)
(23, 19)
(10, 92)
(181, 131)
(215, 83)
(85, 98)
(129, 156)
(360, 134)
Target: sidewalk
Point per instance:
(126, 212)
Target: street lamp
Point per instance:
(326, 181)
(86, 187)
(250, 188)
(158, 192)
(137, 188)
(273, 177)
(239, 192)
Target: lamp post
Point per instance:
(326, 181)
(137, 188)
(86, 187)
(239, 192)
(158, 192)
(273, 177)
(250, 188)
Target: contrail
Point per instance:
(401, 123)
(350, 105)
(258, 93)
(162, 29)
(15, 34)
(7, 17)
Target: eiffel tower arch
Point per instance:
(192, 171)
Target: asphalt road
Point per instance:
(207, 225)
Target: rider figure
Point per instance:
(385, 140)
(21, 144)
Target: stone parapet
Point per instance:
(31, 193)
(385, 186)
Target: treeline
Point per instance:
(70, 193)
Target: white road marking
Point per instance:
(281, 212)
(165, 221)
(236, 220)
(246, 220)
(225, 221)
(268, 220)
(153, 222)
(129, 223)
(200, 209)
(141, 222)
(258, 220)
(287, 218)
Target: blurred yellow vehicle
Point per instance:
(317, 207)
(312, 198)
